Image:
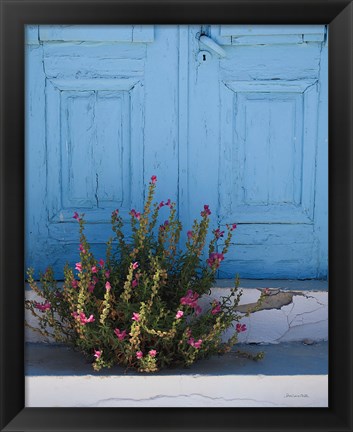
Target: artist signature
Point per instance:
(296, 395)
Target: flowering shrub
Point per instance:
(139, 307)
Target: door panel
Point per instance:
(90, 163)
(95, 152)
(93, 139)
(271, 141)
(267, 94)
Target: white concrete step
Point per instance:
(290, 375)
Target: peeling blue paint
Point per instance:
(106, 107)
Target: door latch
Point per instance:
(211, 44)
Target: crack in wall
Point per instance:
(96, 193)
(318, 301)
(177, 396)
(280, 339)
(302, 314)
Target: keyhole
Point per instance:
(203, 56)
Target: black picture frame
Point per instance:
(338, 14)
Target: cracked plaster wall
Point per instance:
(284, 316)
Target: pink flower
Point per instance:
(216, 308)
(92, 284)
(78, 266)
(153, 353)
(115, 213)
(135, 316)
(153, 179)
(42, 306)
(139, 354)
(82, 249)
(179, 314)
(198, 344)
(121, 335)
(215, 259)
(218, 233)
(135, 265)
(206, 211)
(107, 274)
(164, 226)
(194, 344)
(134, 283)
(101, 262)
(135, 214)
(97, 354)
(76, 216)
(74, 283)
(82, 318)
(94, 269)
(108, 287)
(240, 327)
(190, 299)
(190, 234)
(168, 204)
(233, 227)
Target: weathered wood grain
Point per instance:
(108, 106)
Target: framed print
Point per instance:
(250, 85)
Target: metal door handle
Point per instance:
(212, 45)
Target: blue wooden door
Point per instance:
(242, 128)
(101, 116)
(257, 145)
